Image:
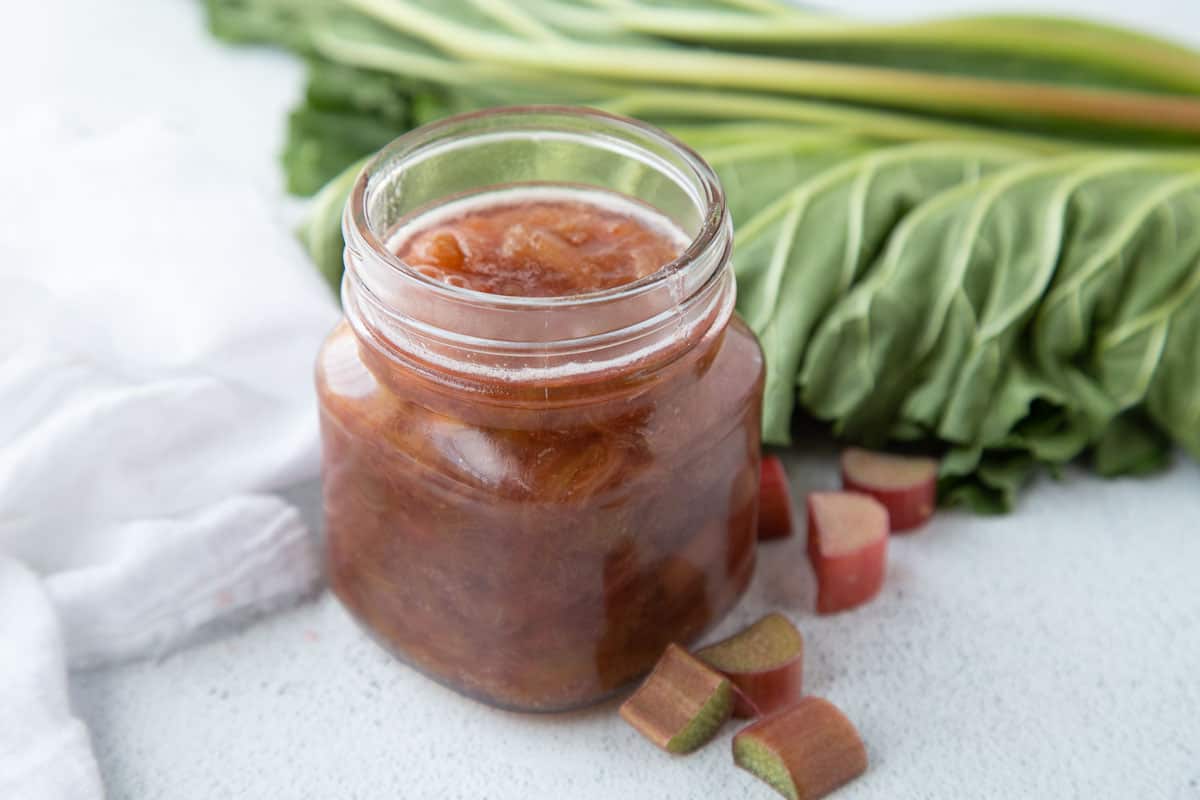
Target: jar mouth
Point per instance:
(425, 141)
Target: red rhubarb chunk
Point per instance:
(804, 752)
(847, 544)
(682, 704)
(907, 486)
(765, 663)
(775, 510)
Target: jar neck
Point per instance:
(457, 335)
(469, 339)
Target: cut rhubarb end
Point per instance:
(847, 544)
(682, 703)
(775, 511)
(765, 663)
(743, 706)
(803, 752)
(906, 486)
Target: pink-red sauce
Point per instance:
(539, 248)
(539, 556)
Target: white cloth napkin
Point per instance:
(158, 325)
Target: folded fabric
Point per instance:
(44, 750)
(158, 325)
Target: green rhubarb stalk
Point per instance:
(903, 88)
(517, 20)
(884, 125)
(634, 101)
(1155, 61)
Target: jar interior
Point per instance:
(537, 240)
(529, 497)
(521, 338)
(487, 152)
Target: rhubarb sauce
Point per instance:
(541, 242)
(537, 546)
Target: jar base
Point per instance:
(741, 584)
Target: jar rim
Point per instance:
(411, 143)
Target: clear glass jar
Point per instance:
(529, 498)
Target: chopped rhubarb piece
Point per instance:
(774, 500)
(907, 486)
(804, 752)
(682, 704)
(847, 544)
(765, 663)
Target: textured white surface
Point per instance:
(1050, 654)
(1054, 653)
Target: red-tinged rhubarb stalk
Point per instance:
(682, 704)
(775, 511)
(804, 752)
(847, 544)
(907, 486)
(932, 93)
(765, 663)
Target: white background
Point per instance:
(1052, 653)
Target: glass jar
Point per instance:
(529, 498)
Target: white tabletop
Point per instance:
(1050, 653)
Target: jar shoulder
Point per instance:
(736, 363)
(522, 450)
(744, 353)
(340, 370)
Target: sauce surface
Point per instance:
(538, 243)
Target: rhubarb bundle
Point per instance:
(960, 234)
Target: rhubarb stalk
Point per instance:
(906, 486)
(804, 752)
(847, 544)
(765, 662)
(682, 704)
(774, 500)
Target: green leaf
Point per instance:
(796, 258)
(321, 143)
(321, 232)
(1131, 445)
(1023, 314)
(288, 23)
(991, 484)
(387, 99)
